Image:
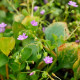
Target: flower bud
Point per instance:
(27, 67)
(39, 56)
(45, 54)
(44, 74)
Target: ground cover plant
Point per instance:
(39, 39)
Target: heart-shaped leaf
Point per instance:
(26, 53)
(7, 44)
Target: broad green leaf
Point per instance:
(15, 67)
(27, 20)
(21, 76)
(3, 59)
(58, 29)
(67, 55)
(26, 53)
(16, 27)
(24, 12)
(3, 70)
(76, 66)
(33, 47)
(55, 12)
(27, 23)
(7, 44)
(34, 52)
(12, 77)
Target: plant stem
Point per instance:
(50, 77)
(72, 33)
(32, 7)
(52, 65)
(13, 6)
(28, 6)
(67, 14)
(53, 53)
(7, 74)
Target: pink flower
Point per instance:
(32, 73)
(77, 41)
(34, 23)
(35, 8)
(48, 60)
(42, 12)
(22, 37)
(73, 3)
(3, 25)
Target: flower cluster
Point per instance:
(48, 60)
(73, 3)
(22, 37)
(2, 27)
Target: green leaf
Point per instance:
(33, 47)
(55, 12)
(14, 66)
(58, 29)
(3, 70)
(12, 77)
(21, 76)
(27, 20)
(16, 27)
(67, 55)
(3, 59)
(34, 52)
(26, 53)
(7, 44)
(2, 14)
(72, 79)
(34, 77)
(24, 12)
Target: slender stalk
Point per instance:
(53, 53)
(28, 6)
(50, 77)
(13, 6)
(7, 74)
(52, 65)
(72, 32)
(32, 8)
(55, 76)
(67, 14)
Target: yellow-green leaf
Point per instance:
(7, 44)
